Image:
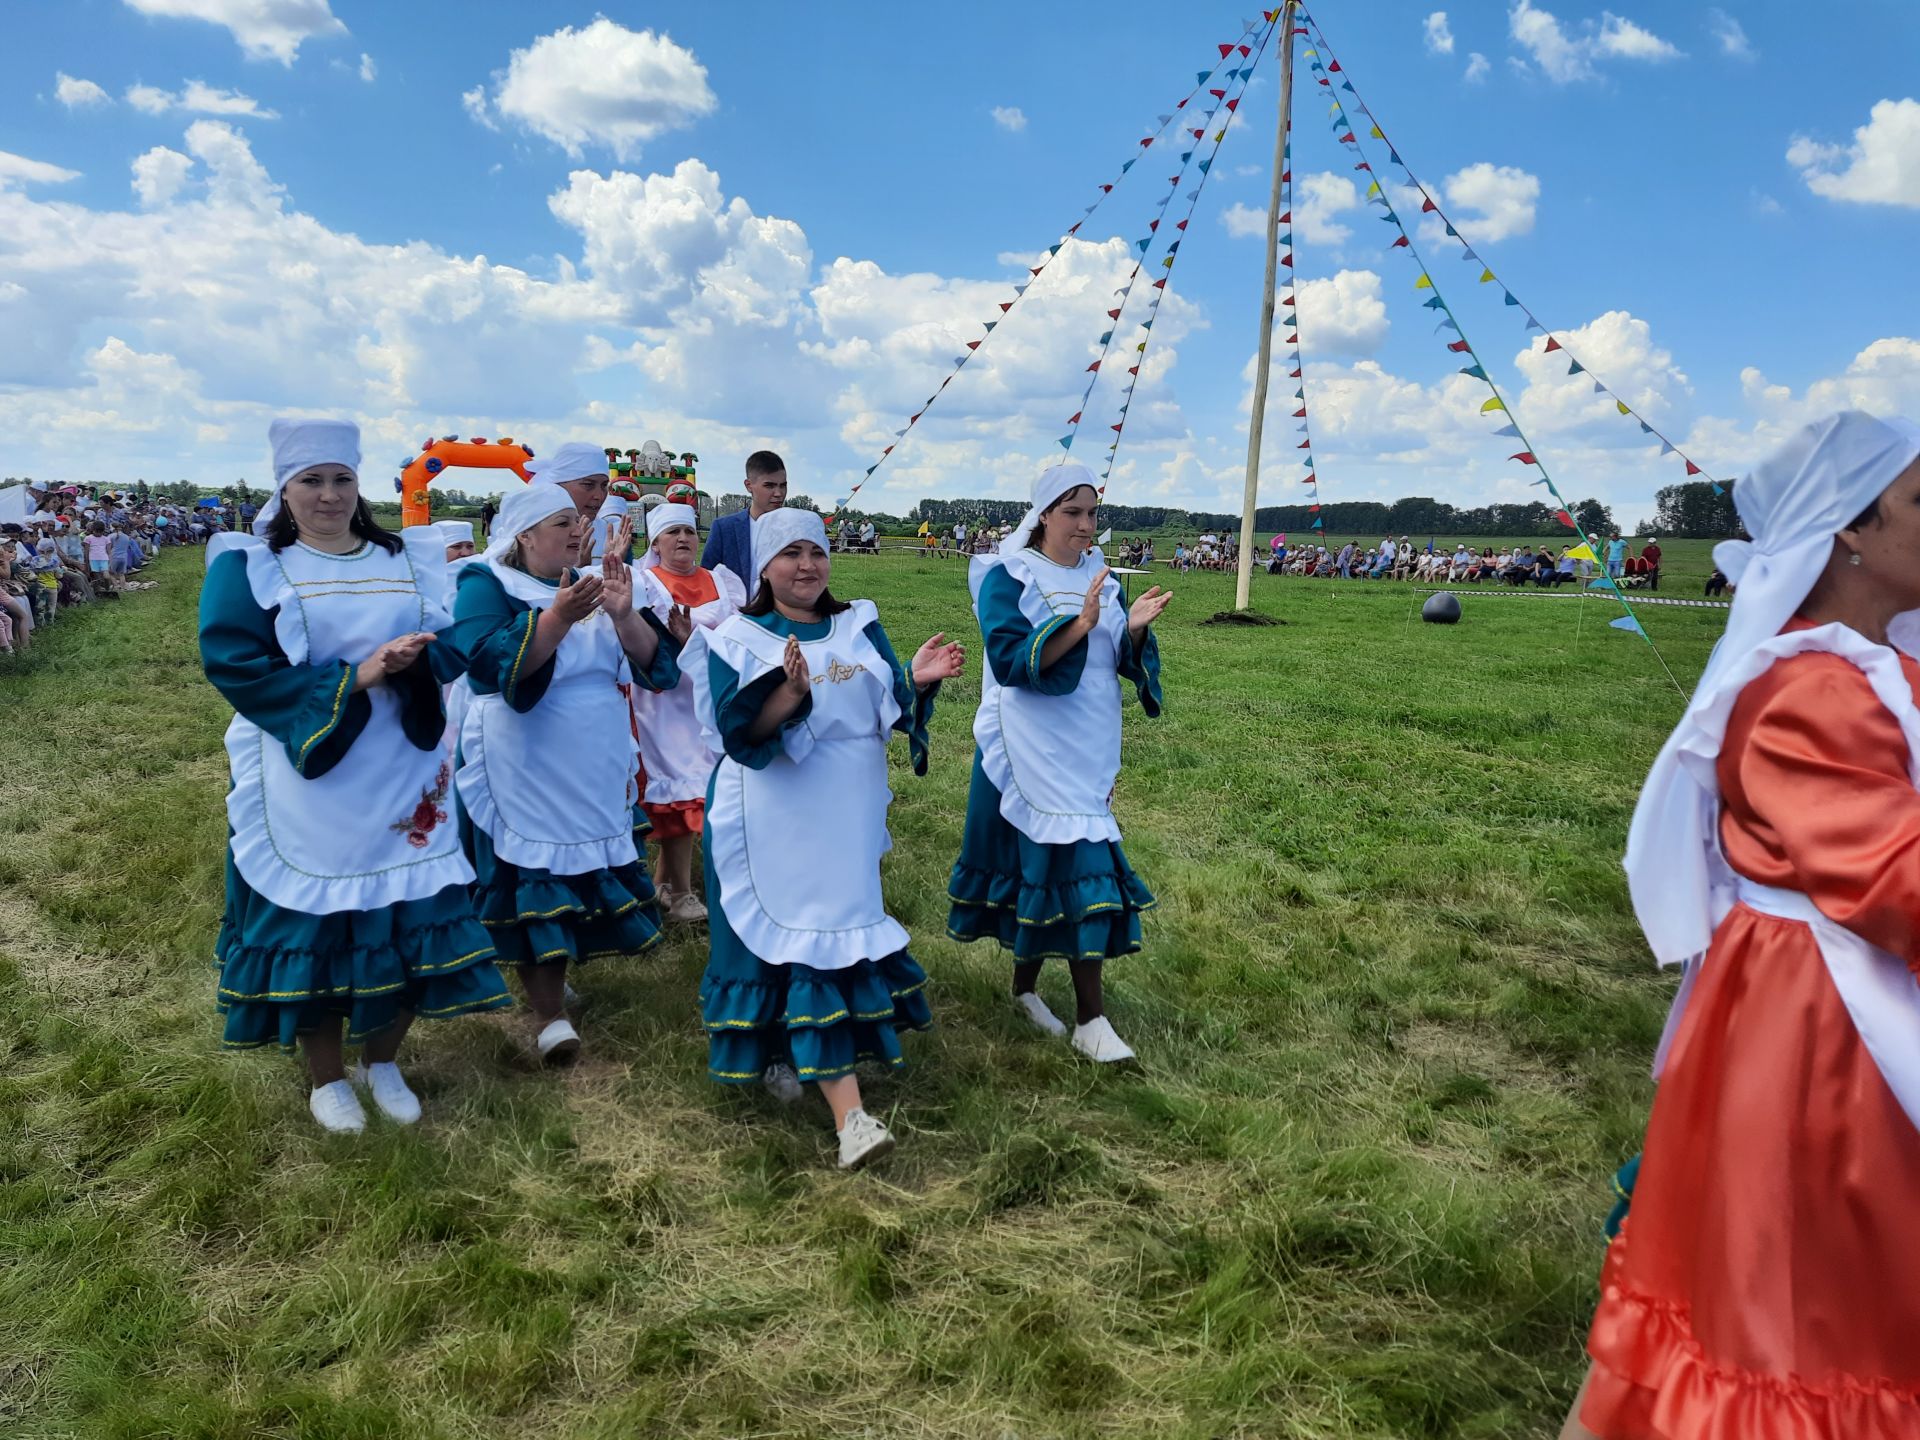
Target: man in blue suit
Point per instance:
(730, 541)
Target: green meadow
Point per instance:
(1394, 1018)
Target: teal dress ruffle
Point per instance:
(1043, 902)
(1080, 901)
(821, 1022)
(534, 916)
(284, 972)
(538, 918)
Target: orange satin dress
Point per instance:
(1766, 1285)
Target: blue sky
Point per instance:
(731, 226)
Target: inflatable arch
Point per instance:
(449, 452)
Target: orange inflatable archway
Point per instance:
(437, 457)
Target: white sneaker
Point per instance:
(686, 908)
(783, 1083)
(391, 1096)
(337, 1108)
(862, 1138)
(1096, 1041)
(1044, 1020)
(558, 1043)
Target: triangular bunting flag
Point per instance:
(1576, 368)
(1475, 371)
(1525, 457)
(1496, 403)
(1459, 347)
(1485, 276)
(1510, 431)
(1423, 283)
(1552, 345)
(1692, 469)
(1622, 407)
(1666, 449)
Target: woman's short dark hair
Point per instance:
(281, 531)
(1868, 516)
(762, 602)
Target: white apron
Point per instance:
(374, 830)
(1880, 990)
(796, 847)
(554, 788)
(672, 744)
(1055, 758)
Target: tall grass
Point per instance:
(1393, 1013)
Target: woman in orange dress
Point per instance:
(1766, 1283)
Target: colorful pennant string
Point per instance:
(1554, 343)
(1159, 288)
(1145, 242)
(1164, 121)
(1528, 453)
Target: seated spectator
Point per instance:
(1716, 582)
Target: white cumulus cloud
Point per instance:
(602, 84)
(265, 29)
(1565, 56)
(1439, 34)
(1730, 33)
(78, 94)
(1880, 167)
(197, 98)
(1477, 68)
(19, 169)
(368, 70)
(1502, 198)
(1342, 314)
(159, 175)
(1009, 117)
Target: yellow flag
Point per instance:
(1423, 283)
(1376, 133)
(1581, 551)
(1374, 188)
(1493, 404)
(1621, 406)
(923, 527)
(1485, 276)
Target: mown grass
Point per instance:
(1394, 1014)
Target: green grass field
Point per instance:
(1394, 1014)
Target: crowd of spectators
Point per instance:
(1459, 564)
(74, 545)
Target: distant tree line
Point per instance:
(1417, 514)
(1694, 511)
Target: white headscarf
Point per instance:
(1050, 485)
(665, 517)
(574, 460)
(300, 445)
(1793, 504)
(776, 530)
(454, 532)
(612, 510)
(520, 512)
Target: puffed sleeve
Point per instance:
(1141, 665)
(916, 706)
(1013, 644)
(737, 707)
(663, 672)
(1822, 781)
(491, 632)
(310, 709)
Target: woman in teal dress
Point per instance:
(1041, 869)
(346, 889)
(807, 973)
(549, 799)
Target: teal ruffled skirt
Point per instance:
(1043, 902)
(821, 1022)
(283, 972)
(538, 918)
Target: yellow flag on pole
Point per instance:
(1582, 551)
(1423, 283)
(1493, 404)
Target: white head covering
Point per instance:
(776, 530)
(574, 460)
(1793, 504)
(300, 445)
(665, 517)
(455, 532)
(1051, 484)
(520, 511)
(612, 510)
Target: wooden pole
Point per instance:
(1243, 589)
